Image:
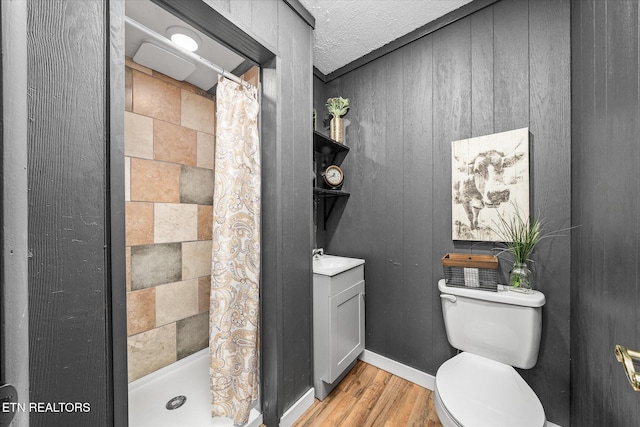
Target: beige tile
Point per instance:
(205, 222)
(204, 293)
(174, 143)
(206, 147)
(192, 334)
(151, 350)
(167, 79)
(153, 265)
(153, 181)
(196, 259)
(198, 91)
(252, 76)
(138, 136)
(174, 222)
(175, 301)
(139, 223)
(128, 268)
(154, 98)
(127, 179)
(141, 311)
(198, 112)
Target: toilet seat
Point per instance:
(479, 392)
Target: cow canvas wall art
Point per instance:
(490, 177)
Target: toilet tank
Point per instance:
(504, 326)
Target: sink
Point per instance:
(330, 265)
(331, 262)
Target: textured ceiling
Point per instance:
(349, 29)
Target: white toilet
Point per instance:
(495, 331)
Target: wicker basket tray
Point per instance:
(471, 271)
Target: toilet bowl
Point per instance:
(495, 331)
(473, 391)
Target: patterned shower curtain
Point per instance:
(235, 269)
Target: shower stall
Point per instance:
(170, 171)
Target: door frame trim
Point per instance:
(14, 285)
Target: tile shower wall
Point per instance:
(169, 162)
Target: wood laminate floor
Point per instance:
(369, 396)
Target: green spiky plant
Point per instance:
(520, 236)
(338, 107)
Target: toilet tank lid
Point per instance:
(504, 295)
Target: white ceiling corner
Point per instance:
(349, 29)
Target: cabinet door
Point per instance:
(346, 326)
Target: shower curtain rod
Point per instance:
(172, 46)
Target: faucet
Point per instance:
(317, 253)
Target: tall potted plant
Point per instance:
(337, 107)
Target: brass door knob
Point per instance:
(626, 357)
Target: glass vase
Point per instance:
(521, 278)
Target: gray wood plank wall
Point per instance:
(605, 266)
(295, 205)
(504, 67)
(257, 17)
(67, 173)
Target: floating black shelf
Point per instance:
(324, 192)
(327, 152)
(330, 152)
(330, 198)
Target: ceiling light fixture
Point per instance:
(184, 38)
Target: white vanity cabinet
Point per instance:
(338, 325)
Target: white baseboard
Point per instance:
(406, 372)
(400, 370)
(297, 409)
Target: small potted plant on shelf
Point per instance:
(337, 107)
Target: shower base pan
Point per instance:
(178, 395)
